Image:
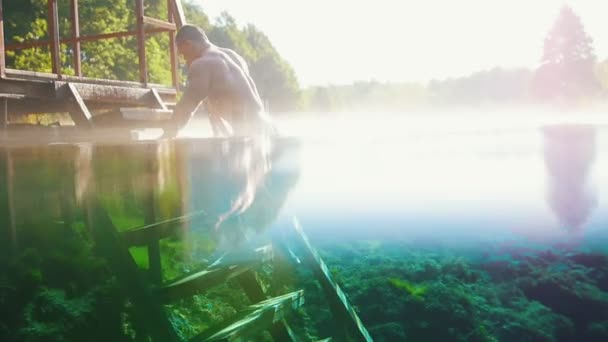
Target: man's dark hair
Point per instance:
(192, 33)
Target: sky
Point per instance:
(341, 41)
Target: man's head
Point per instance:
(191, 41)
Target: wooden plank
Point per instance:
(2, 46)
(158, 101)
(154, 260)
(201, 281)
(351, 326)
(178, 12)
(10, 179)
(141, 41)
(224, 269)
(153, 22)
(141, 236)
(255, 291)
(255, 319)
(148, 310)
(80, 113)
(76, 36)
(115, 94)
(173, 49)
(87, 38)
(3, 112)
(53, 26)
(5, 235)
(23, 75)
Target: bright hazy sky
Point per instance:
(340, 41)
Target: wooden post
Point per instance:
(2, 47)
(346, 320)
(148, 310)
(178, 12)
(53, 23)
(5, 231)
(141, 42)
(4, 111)
(10, 177)
(173, 50)
(150, 214)
(76, 36)
(80, 113)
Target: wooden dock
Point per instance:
(29, 92)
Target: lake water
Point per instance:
(437, 228)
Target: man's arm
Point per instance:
(197, 90)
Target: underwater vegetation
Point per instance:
(57, 282)
(404, 292)
(416, 291)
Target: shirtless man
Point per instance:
(221, 79)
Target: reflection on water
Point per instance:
(569, 154)
(457, 186)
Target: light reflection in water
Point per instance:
(496, 185)
(570, 152)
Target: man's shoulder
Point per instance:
(204, 62)
(228, 51)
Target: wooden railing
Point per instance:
(144, 26)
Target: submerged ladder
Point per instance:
(267, 314)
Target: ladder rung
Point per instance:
(255, 318)
(159, 23)
(221, 271)
(144, 235)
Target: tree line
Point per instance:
(569, 71)
(569, 74)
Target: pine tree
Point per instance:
(568, 61)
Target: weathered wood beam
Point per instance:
(346, 319)
(159, 23)
(88, 38)
(158, 101)
(154, 258)
(10, 179)
(2, 47)
(53, 26)
(79, 113)
(3, 112)
(29, 89)
(173, 49)
(76, 36)
(116, 94)
(178, 12)
(20, 75)
(148, 309)
(42, 105)
(141, 41)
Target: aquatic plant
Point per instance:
(416, 291)
(539, 296)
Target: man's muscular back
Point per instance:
(229, 87)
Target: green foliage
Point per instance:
(416, 291)
(53, 316)
(117, 58)
(493, 87)
(404, 291)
